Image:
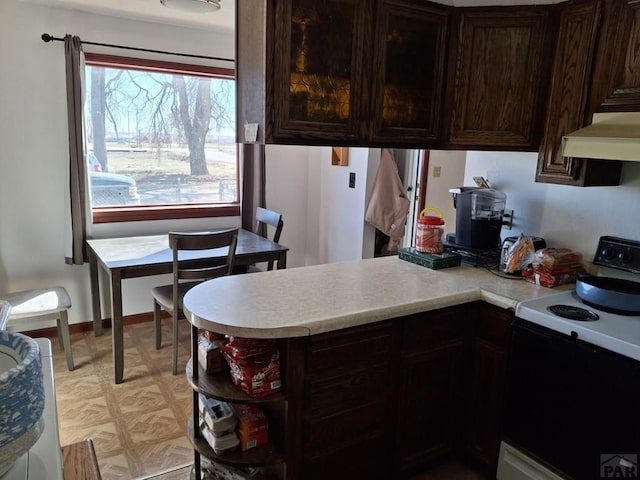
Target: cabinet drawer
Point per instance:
(337, 428)
(366, 457)
(338, 393)
(435, 327)
(346, 349)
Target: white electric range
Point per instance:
(615, 332)
(573, 383)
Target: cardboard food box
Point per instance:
(220, 444)
(253, 426)
(218, 415)
(210, 355)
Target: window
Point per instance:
(160, 139)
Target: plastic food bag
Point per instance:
(520, 255)
(254, 365)
(558, 260)
(546, 279)
(554, 266)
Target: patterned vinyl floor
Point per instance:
(138, 427)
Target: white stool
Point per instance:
(44, 304)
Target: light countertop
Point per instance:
(306, 301)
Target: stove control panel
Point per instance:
(620, 253)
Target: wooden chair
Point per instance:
(169, 297)
(264, 218)
(43, 304)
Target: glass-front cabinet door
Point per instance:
(408, 72)
(318, 86)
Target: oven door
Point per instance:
(515, 465)
(569, 404)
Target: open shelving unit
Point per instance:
(220, 387)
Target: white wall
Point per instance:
(287, 192)
(323, 217)
(565, 216)
(452, 166)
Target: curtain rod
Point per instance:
(49, 38)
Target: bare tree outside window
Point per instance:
(159, 136)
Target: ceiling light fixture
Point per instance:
(193, 6)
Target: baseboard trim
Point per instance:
(81, 327)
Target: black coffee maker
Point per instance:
(479, 213)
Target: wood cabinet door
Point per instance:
(410, 42)
(320, 49)
(620, 65)
(346, 404)
(486, 387)
(432, 378)
(570, 81)
(500, 73)
(485, 403)
(430, 394)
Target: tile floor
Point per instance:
(139, 426)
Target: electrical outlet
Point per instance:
(437, 171)
(507, 218)
(352, 180)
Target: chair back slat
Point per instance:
(271, 218)
(183, 268)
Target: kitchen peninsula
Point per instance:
(387, 366)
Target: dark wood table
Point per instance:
(133, 257)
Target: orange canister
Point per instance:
(430, 231)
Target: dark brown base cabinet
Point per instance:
(347, 406)
(488, 374)
(383, 400)
(389, 399)
(451, 381)
(432, 373)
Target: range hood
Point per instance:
(611, 136)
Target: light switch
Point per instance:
(437, 171)
(352, 180)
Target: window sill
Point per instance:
(163, 212)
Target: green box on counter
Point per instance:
(434, 261)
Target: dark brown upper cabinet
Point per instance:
(501, 72)
(318, 84)
(408, 72)
(300, 69)
(566, 109)
(595, 63)
(417, 74)
(618, 69)
(341, 72)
